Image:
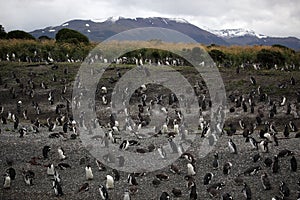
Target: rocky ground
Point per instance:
(22, 150)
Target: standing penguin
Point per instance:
(226, 168)
(173, 146)
(275, 165)
(7, 181)
(12, 173)
(216, 161)
(57, 188)
(286, 131)
(88, 173)
(293, 164)
(232, 146)
(103, 192)
(61, 153)
(191, 169)
(109, 182)
(164, 196)
(247, 192)
(131, 179)
(193, 193)
(284, 190)
(126, 195)
(207, 178)
(50, 170)
(46, 150)
(265, 181)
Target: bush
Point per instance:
(2, 32)
(17, 34)
(71, 36)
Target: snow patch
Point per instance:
(87, 25)
(88, 30)
(180, 20)
(230, 33)
(52, 30)
(66, 24)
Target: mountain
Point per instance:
(249, 37)
(99, 30)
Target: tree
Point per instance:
(71, 36)
(269, 58)
(17, 34)
(44, 37)
(2, 32)
(217, 55)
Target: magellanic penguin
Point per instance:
(57, 188)
(177, 192)
(232, 146)
(28, 177)
(265, 181)
(84, 187)
(247, 192)
(46, 150)
(12, 173)
(164, 196)
(131, 179)
(7, 181)
(226, 196)
(50, 170)
(216, 161)
(226, 168)
(207, 178)
(88, 173)
(109, 182)
(103, 192)
(191, 169)
(126, 195)
(57, 177)
(61, 153)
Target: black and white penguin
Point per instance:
(28, 177)
(286, 131)
(264, 146)
(162, 152)
(207, 178)
(252, 80)
(84, 187)
(116, 175)
(293, 164)
(256, 157)
(103, 192)
(11, 172)
(109, 182)
(193, 193)
(57, 177)
(46, 150)
(247, 192)
(283, 101)
(7, 181)
(253, 143)
(164, 196)
(174, 169)
(252, 170)
(50, 170)
(216, 161)
(57, 188)
(126, 195)
(61, 153)
(176, 192)
(88, 173)
(226, 196)
(226, 168)
(232, 146)
(191, 169)
(265, 181)
(189, 157)
(63, 166)
(162, 176)
(284, 153)
(268, 162)
(124, 145)
(275, 165)
(293, 126)
(131, 179)
(284, 190)
(173, 145)
(242, 124)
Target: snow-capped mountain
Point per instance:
(101, 29)
(230, 33)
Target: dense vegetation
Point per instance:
(71, 36)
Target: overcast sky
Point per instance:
(269, 17)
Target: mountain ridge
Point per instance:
(101, 29)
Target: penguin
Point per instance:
(156, 182)
(256, 157)
(162, 152)
(109, 182)
(193, 193)
(46, 150)
(126, 195)
(253, 143)
(7, 181)
(207, 178)
(164, 128)
(57, 177)
(275, 165)
(268, 162)
(103, 192)
(85, 187)
(131, 179)
(61, 153)
(173, 145)
(252, 170)
(116, 175)
(283, 101)
(264, 146)
(247, 192)
(88, 173)
(284, 190)
(293, 126)
(124, 145)
(174, 169)
(284, 152)
(226, 196)
(57, 188)
(252, 80)
(176, 192)
(162, 176)
(286, 131)
(216, 161)
(232, 146)
(63, 166)
(226, 168)
(12, 173)
(28, 179)
(164, 196)
(293, 164)
(50, 170)
(189, 157)
(191, 169)
(265, 181)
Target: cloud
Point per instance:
(274, 18)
